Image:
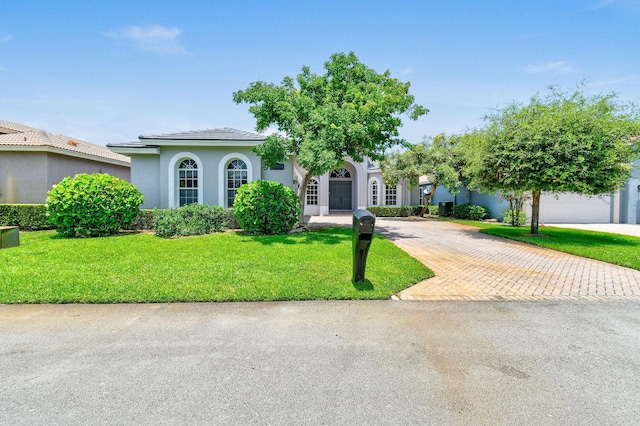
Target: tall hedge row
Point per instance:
(29, 217)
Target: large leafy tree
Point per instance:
(349, 111)
(438, 158)
(559, 142)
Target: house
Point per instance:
(620, 207)
(208, 166)
(33, 160)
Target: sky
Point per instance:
(109, 71)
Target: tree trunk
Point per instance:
(427, 198)
(535, 211)
(302, 195)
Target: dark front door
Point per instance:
(340, 195)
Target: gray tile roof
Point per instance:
(25, 136)
(224, 133)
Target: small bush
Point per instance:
(30, 217)
(433, 210)
(509, 216)
(143, 221)
(193, 219)
(395, 211)
(470, 212)
(232, 220)
(266, 207)
(93, 205)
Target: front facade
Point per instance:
(207, 167)
(33, 160)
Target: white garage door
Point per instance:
(573, 208)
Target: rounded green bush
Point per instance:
(92, 205)
(267, 208)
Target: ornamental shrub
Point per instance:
(266, 207)
(470, 212)
(92, 205)
(509, 216)
(192, 219)
(433, 210)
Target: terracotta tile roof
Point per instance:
(224, 133)
(25, 136)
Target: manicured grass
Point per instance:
(218, 267)
(612, 248)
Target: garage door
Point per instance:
(573, 208)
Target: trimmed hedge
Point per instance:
(29, 217)
(434, 210)
(395, 211)
(143, 221)
(193, 219)
(470, 212)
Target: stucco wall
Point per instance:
(284, 176)
(145, 175)
(23, 177)
(61, 166)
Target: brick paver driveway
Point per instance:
(469, 265)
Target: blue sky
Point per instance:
(108, 71)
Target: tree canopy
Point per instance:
(438, 158)
(558, 142)
(349, 111)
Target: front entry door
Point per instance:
(340, 195)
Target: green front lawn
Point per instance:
(218, 267)
(612, 248)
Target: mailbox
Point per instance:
(362, 232)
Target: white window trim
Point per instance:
(174, 197)
(222, 178)
(370, 192)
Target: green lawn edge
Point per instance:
(225, 267)
(617, 249)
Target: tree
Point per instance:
(349, 111)
(557, 143)
(438, 158)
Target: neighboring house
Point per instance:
(33, 160)
(621, 207)
(208, 167)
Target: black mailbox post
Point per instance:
(363, 223)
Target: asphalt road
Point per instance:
(334, 363)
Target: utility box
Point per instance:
(445, 208)
(9, 236)
(362, 233)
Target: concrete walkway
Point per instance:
(469, 265)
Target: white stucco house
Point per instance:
(208, 167)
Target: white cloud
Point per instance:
(154, 38)
(5, 38)
(409, 70)
(612, 82)
(601, 4)
(560, 67)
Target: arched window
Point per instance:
(374, 192)
(236, 177)
(187, 182)
(390, 196)
(341, 174)
(312, 192)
